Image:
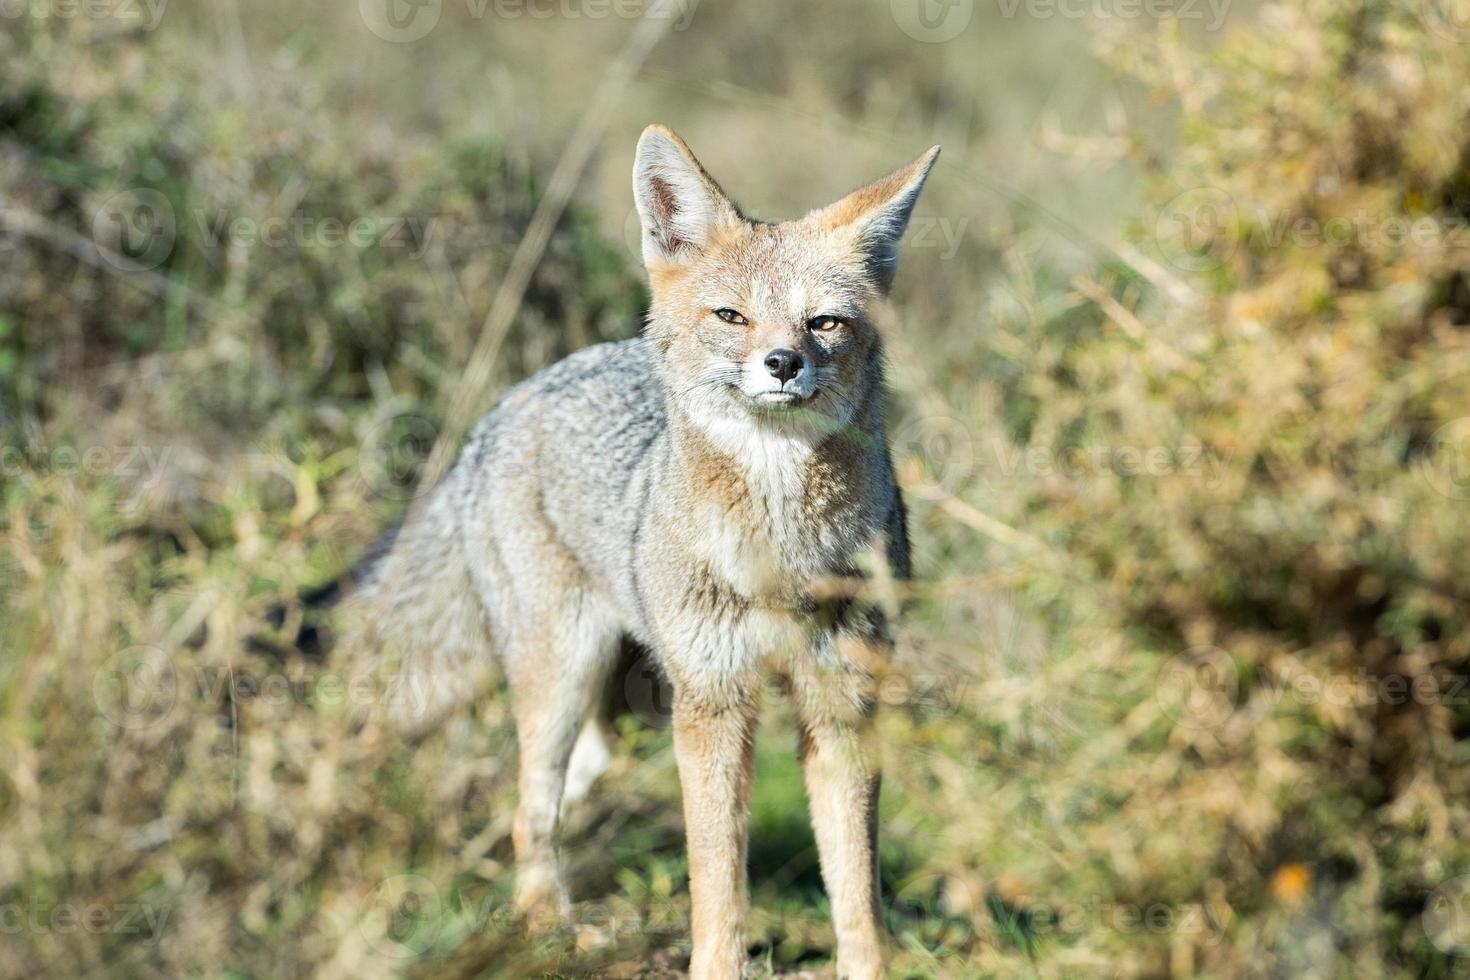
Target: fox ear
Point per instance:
(878, 215)
(678, 202)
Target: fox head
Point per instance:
(770, 322)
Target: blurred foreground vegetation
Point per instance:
(1182, 401)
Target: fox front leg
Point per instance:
(714, 745)
(840, 763)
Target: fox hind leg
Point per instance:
(556, 674)
(591, 756)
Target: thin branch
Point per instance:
(1132, 326)
(469, 396)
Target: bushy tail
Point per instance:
(414, 623)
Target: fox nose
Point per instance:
(783, 363)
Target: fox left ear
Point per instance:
(879, 213)
(678, 202)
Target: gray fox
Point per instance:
(684, 491)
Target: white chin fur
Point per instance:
(763, 419)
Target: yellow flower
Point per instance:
(1290, 883)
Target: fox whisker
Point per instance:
(713, 378)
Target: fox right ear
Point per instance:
(678, 202)
(879, 213)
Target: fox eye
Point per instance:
(824, 323)
(730, 316)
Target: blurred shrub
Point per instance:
(1282, 497)
(265, 225)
